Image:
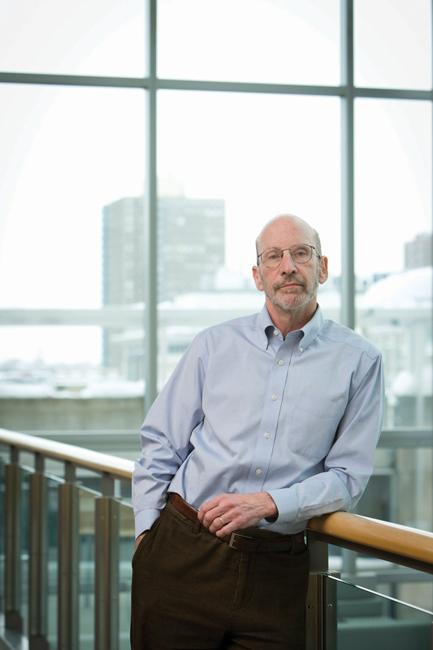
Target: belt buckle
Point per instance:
(232, 540)
(234, 536)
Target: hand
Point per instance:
(139, 538)
(228, 512)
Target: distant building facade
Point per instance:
(419, 251)
(191, 244)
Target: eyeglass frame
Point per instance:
(313, 248)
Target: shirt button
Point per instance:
(301, 349)
(280, 362)
(276, 332)
(258, 471)
(267, 435)
(274, 397)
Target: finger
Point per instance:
(211, 510)
(212, 517)
(138, 540)
(223, 515)
(218, 523)
(227, 529)
(235, 522)
(208, 505)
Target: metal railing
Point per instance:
(71, 470)
(111, 471)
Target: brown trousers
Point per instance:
(191, 591)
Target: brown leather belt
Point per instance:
(238, 541)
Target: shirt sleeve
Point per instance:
(165, 435)
(349, 463)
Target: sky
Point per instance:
(67, 152)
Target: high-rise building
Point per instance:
(419, 251)
(190, 251)
(122, 257)
(190, 244)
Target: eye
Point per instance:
(301, 253)
(272, 255)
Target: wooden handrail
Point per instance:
(94, 460)
(375, 535)
(339, 527)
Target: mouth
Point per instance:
(289, 285)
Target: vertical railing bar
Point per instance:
(314, 620)
(70, 472)
(14, 455)
(68, 558)
(38, 557)
(107, 485)
(330, 613)
(13, 618)
(107, 569)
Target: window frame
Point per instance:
(346, 91)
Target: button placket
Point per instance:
(281, 353)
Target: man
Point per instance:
(267, 421)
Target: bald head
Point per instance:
(287, 222)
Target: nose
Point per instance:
(287, 265)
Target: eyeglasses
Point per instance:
(271, 257)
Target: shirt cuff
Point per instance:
(287, 504)
(144, 520)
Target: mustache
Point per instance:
(279, 285)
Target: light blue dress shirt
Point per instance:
(248, 411)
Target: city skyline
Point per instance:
(67, 151)
(53, 343)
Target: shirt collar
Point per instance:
(312, 328)
(309, 331)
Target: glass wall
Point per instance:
(393, 43)
(227, 162)
(103, 37)
(276, 41)
(70, 156)
(137, 171)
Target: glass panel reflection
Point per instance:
(86, 569)
(367, 619)
(413, 587)
(52, 555)
(24, 547)
(126, 549)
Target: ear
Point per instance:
(257, 278)
(323, 273)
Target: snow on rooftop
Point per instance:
(406, 290)
(405, 383)
(241, 300)
(114, 388)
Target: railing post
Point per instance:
(38, 558)
(68, 539)
(13, 618)
(321, 621)
(107, 568)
